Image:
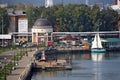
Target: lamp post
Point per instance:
(5, 69)
(2, 25)
(46, 39)
(0, 69)
(26, 52)
(2, 30)
(17, 60)
(0, 62)
(14, 59)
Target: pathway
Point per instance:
(22, 64)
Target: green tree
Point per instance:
(74, 18)
(30, 14)
(20, 6)
(95, 16)
(4, 20)
(109, 20)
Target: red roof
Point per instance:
(69, 38)
(50, 43)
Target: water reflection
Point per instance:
(86, 66)
(97, 56)
(97, 65)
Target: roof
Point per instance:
(17, 13)
(42, 23)
(69, 38)
(112, 40)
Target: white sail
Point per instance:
(97, 42)
(94, 42)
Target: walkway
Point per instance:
(22, 64)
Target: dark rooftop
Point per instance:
(42, 23)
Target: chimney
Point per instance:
(116, 2)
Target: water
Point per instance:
(86, 67)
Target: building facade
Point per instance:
(18, 26)
(42, 31)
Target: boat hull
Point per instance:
(98, 50)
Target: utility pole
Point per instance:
(2, 30)
(5, 78)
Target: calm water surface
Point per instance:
(86, 66)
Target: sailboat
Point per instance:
(97, 45)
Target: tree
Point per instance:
(30, 14)
(109, 20)
(4, 20)
(95, 16)
(20, 6)
(74, 18)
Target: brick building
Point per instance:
(18, 26)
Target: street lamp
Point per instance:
(2, 30)
(19, 57)
(26, 52)
(5, 69)
(0, 62)
(2, 24)
(46, 39)
(14, 58)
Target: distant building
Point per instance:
(70, 40)
(111, 43)
(18, 26)
(116, 7)
(4, 5)
(42, 31)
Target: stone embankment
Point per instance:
(23, 68)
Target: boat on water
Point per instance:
(97, 45)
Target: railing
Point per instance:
(26, 72)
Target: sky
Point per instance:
(42, 2)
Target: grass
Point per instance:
(6, 70)
(4, 50)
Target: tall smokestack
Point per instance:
(116, 2)
(117, 5)
(48, 3)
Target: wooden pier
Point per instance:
(57, 64)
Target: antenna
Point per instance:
(48, 3)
